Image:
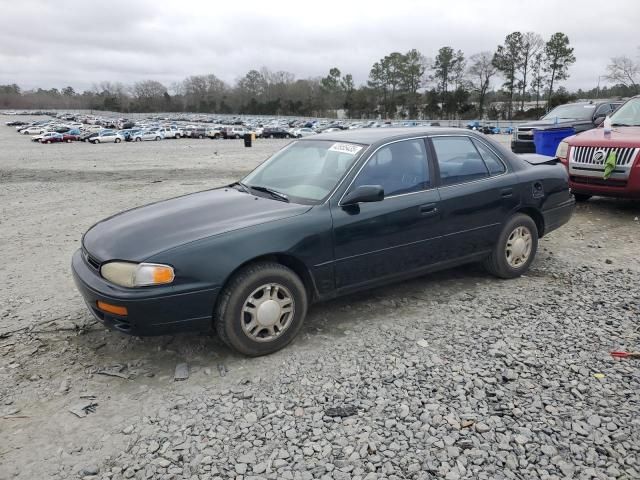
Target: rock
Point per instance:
(251, 417)
(482, 427)
(509, 375)
(181, 372)
(403, 411)
(422, 343)
(241, 468)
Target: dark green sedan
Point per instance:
(325, 216)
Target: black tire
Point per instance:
(227, 315)
(177, 135)
(237, 137)
(117, 140)
(497, 263)
(68, 140)
(200, 136)
(287, 136)
(271, 136)
(95, 142)
(157, 138)
(581, 197)
(138, 139)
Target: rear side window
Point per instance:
(495, 166)
(458, 160)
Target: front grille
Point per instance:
(525, 134)
(598, 155)
(589, 162)
(91, 261)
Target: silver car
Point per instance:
(108, 137)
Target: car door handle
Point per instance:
(506, 192)
(428, 210)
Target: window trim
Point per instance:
(429, 168)
(470, 137)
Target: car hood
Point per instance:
(619, 137)
(562, 123)
(140, 233)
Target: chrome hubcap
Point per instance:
(267, 312)
(518, 247)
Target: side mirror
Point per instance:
(364, 193)
(598, 120)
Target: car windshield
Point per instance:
(305, 171)
(628, 114)
(574, 112)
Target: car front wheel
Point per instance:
(261, 310)
(117, 140)
(516, 248)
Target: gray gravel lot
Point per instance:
(452, 375)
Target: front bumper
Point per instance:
(605, 188)
(558, 215)
(522, 147)
(151, 310)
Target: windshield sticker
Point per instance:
(349, 148)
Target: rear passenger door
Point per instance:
(476, 194)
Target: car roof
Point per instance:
(370, 136)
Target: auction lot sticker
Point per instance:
(349, 148)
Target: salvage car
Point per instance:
(49, 137)
(325, 216)
(587, 154)
(580, 116)
(107, 137)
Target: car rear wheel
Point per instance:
(68, 140)
(117, 140)
(581, 197)
(516, 248)
(200, 136)
(138, 139)
(96, 142)
(261, 310)
(157, 138)
(177, 135)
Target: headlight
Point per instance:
(128, 274)
(561, 151)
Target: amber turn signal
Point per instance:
(113, 309)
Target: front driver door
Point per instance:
(378, 240)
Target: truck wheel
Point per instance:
(515, 249)
(261, 309)
(581, 197)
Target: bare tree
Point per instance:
(480, 72)
(532, 44)
(625, 71)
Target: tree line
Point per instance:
(496, 85)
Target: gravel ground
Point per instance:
(452, 375)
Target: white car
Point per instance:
(39, 130)
(147, 135)
(171, 132)
(108, 137)
(304, 132)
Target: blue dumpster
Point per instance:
(547, 141)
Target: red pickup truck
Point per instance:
(585, 156)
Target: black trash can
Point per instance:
(247, 139)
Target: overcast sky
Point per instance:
(54, 43)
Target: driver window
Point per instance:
(458, 160)
(399, 167)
